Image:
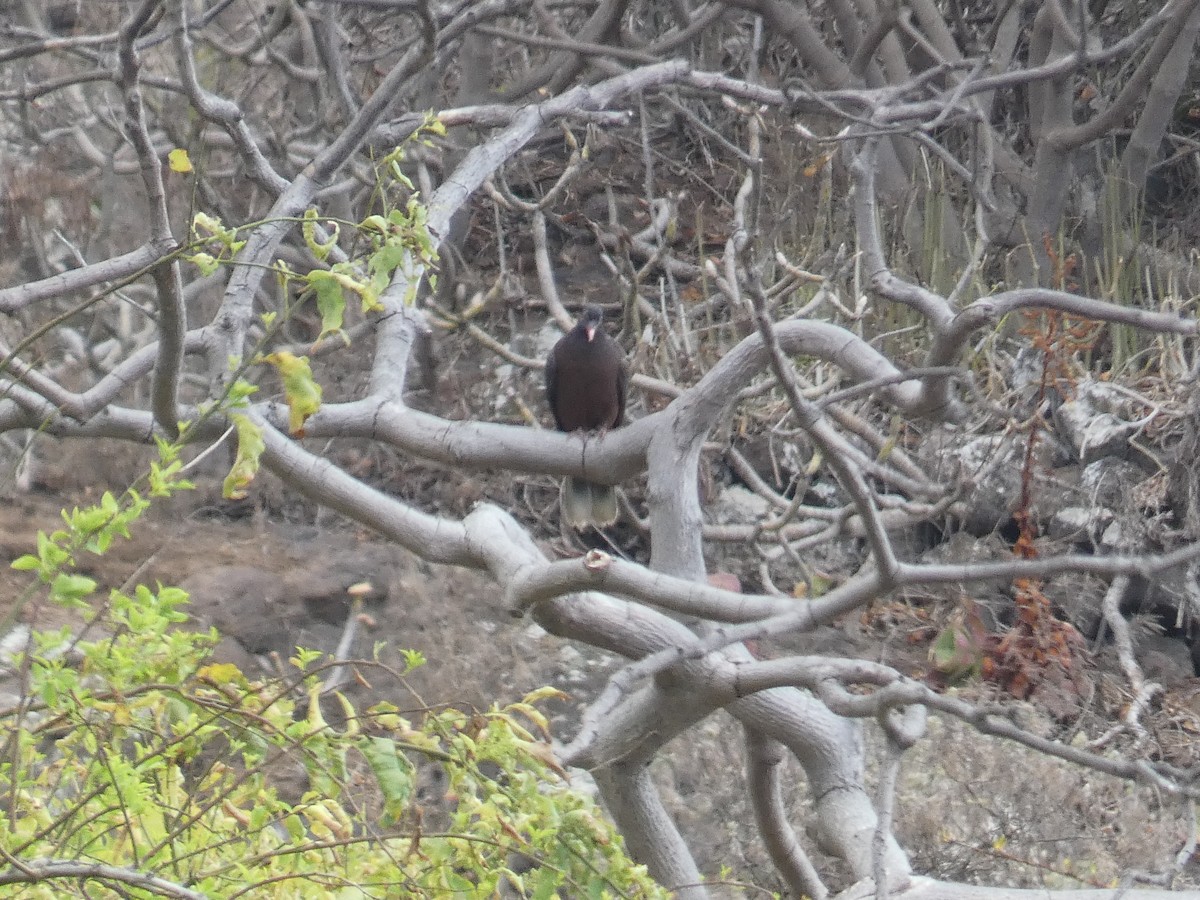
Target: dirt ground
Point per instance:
(274, 585)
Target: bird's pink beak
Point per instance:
(591, 333)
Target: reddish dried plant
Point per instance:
(1040, 649)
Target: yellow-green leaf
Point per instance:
(300, 389)
(221, 673)
(331, 303)
(245, 467)
(309, 230)
(205, 262)
(179, 162)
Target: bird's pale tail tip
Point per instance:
(585, 503)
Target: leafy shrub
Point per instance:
(133, 765)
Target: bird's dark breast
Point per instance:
(585, 393)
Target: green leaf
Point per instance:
(70, 590)
(384, 262)
(394, 774)
(240, 392)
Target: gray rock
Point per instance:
(1079, 523)
(1126, 535)
(245, 603)
(13, 643)
(1097, 421)
(1167, 660)
(1110, 482)
(737, 505)
(990, 467)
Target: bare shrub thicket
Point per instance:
(866, 257)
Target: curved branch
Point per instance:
(117, 268)
(172, 317)
(764, 759)
(37, 871)
(1175, 30)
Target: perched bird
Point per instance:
(585, 387)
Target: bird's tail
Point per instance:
(586, 503)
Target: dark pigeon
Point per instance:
(586, 378)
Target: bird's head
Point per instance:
(592, 317)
